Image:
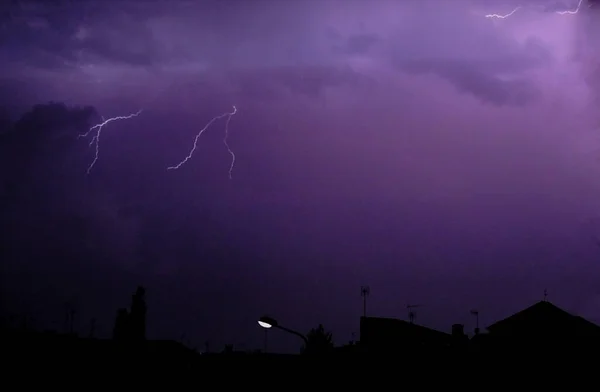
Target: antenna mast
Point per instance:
(364, 292)
(69, 317)
(412, 314)
(72, 314)
(475, 313)
(92, 328)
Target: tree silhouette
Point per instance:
(319, 341)
(137, 316)
(131, 325)
(120, 331)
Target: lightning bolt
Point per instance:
(195, 145)
(498, 16)
(576, 10)
(568, 12)
(96, 131)
(232, 164)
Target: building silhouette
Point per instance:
(378, 334)
(120, 331)
(540, 327)
(542, 330)
(543, 320)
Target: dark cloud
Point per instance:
(6, 122)
(554, 6)
(16, 95)
(358, 44)
(105, 50)
(36, 145)
(46, 36)
(487, 65)
(35, 159)
(103, 41)
(39, 33)
(46, 198)
(54, 119)
(487, 87)
(281, 53)
(587, 51)
(306, 81)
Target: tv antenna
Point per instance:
(364, 292)
(475, 313)
(412, 313)
(92, 328)
(70, 313)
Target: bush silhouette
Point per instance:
(319, 341)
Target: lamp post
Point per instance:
(269, 322)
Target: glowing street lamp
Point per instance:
(269, 322)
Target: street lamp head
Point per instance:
(267, 322)
(264, 324)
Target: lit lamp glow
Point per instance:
(264, 325)
(267, 322)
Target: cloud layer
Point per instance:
(414, 146)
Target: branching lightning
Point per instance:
(568, 12)
(96, 131)
(195, 145)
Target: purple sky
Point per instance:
(441, 157)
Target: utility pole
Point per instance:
(92, 328)
(72, 313)
(266, 339)
(364, 292)
(545, 295)
(67, 317)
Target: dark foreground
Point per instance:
(40, 355)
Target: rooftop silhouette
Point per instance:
(538, 329)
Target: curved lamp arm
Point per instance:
(293, 333)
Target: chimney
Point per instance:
(459, 339)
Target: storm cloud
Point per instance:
(414, 146)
